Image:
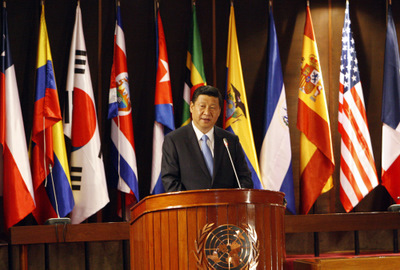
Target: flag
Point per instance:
(87, 169)
(357, 166)
(49, 164)
(123, 154)
(391, 112)
(16, 178)
(236, 112)
(316, 152)
(276, 154)
(195, 76)
(164, 114)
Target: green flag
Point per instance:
(195, 75)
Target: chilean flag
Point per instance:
(87, 168)
(164, 112)
(123, 154)
(16, 179)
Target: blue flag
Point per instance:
(391, 112)
(276, 156)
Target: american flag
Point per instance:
(357, 166)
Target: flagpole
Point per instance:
(123, 214)
(50, 168)
(214, 44)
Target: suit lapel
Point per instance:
(218, 151)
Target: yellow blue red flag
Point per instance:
(50, 173)
(236, 111)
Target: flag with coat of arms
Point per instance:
(316, 152)
(49, 163)
(123, 155)
(236, 111)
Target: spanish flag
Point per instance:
(236, 111)
(316, 153)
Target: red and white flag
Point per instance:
(123, 155)
(16, 180)
(357, 166)
(80, 124)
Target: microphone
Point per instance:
(233, 166)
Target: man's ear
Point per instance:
(191, 105)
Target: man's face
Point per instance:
(205, 112)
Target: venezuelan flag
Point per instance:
(49, 163)
(236, 112)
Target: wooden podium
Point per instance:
(209, 229)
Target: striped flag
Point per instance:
(195, 76)
(236, 112)
(316, 152)
(123, 154)
(357, 166)
(87, 168)
(50, 172)
(16, 178)
(276, 155)
(164, 114)
(391, 112)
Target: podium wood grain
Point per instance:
(164, 227)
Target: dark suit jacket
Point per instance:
(184, 168)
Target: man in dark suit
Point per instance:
(184, 166)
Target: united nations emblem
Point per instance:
(227, 247)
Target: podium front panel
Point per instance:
(208, 229)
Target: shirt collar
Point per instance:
(200, 134)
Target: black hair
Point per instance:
(208, 90)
